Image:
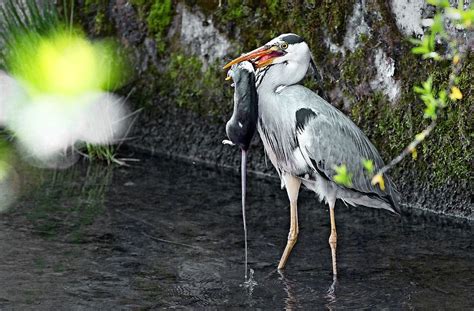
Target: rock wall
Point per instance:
(360, 47)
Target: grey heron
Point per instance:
(306, 138)
(242, 126)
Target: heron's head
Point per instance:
(283, 49)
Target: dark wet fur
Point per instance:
(245, 109)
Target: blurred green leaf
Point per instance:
(453, 13)
(428, 84)
(427, 95)
(418, 89)
(368, 165)
(430, 110)
(438, 25)
(342, 177)
(5, 154)
(415, 41)
(442, 96)
(440, 3)
(425, 46)
(467, 17)
(432, 55)
(420, 50)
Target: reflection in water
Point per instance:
(9, 185)
(331, 293)
(249, 286)
(67, 211)
(9, 181)
(291, 303)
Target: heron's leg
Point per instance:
(292, 187)
(333, 236)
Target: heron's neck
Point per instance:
(283, 74)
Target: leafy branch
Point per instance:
(457, 51)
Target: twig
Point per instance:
(455, 69)
(407, 149)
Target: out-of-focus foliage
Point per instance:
(454, 50)
(17, 19)
(342, 177)
(54, 62)
(378, 180)
(63, 63)
(428, 96)
(462, 20)
(368, 165)
(4, 159)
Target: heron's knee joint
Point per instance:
(293, 236)
(333, 239)
(292, 240)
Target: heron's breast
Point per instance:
(282, 148)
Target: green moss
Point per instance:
(186, 76)
(233, 11)
(103, 26)
(140, 3)
(446, 154)
(158, 15)
(334, 15)
(273, 6)
(158, 21)
(186, 84)
(354, 66)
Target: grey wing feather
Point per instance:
(329, 138)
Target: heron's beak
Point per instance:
(260, 57)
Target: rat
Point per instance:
(242, 126)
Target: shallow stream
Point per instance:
(165, 234)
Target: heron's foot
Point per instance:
(292, 238)
(227, 142)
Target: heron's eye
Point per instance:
(283, 45)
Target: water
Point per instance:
(164, 234)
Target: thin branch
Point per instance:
(463, 50)
(408, 149)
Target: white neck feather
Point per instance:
(281, 74)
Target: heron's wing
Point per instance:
(327, 138)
